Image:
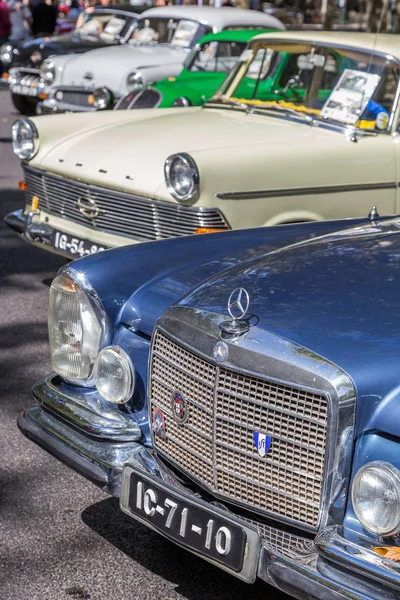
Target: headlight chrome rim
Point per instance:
(181, 102)
(103, 98)
(393, 477)
(194, 192)
(15, 130)
(48, 71)
(134, 80)
(125, 363)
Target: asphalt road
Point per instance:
(60, 537)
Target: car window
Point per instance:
(179, 32)
(215, 56)
(106, 25)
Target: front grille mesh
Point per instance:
(74, 97)
(118, 213)
(216, 444)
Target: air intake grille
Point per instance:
(118, 213)
(216, 442)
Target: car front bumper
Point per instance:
(330, 567)
(81, 431)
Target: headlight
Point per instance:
(376, 497)
(102, 98)
(6, 52)
(25, 139)
(77, 328)
(182, 177)
(134, 80)
(15, 78)
(181, 101)
(48, 71)
(114, 375)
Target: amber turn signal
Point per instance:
(43, 96)
(22, 186)
(210, 230)
(6, 75)
(35, 203)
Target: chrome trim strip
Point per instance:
(327, 189)
(305, 372)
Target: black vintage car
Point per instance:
(21, 61)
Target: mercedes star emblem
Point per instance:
(238, 305)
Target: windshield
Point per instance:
(107, 26)
(345, 86)
(215, 56)
(179, 32)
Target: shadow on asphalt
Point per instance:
(193, 577)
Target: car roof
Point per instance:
(232, 35)
(218, 18)
(383, 43)
(111, 9)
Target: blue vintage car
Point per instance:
(240, 393)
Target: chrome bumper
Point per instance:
(327, 568)
(34, 232)
(92, 438)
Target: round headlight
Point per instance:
(78, 326)
(181, 101)
(15, 78)
(376, 497)
(114, 375)
(6, 52)
(48, 71)
(182, 177)
(25, 139)
(134, 80)
(102, 98)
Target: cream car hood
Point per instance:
(233, 151)
(110, 66)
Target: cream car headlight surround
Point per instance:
(114, 375)
(24, 139)
(78, 327)
(376, 497)
(182, 177)
(6, 52)
(48, 71)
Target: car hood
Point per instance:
(203, 133)
(335, 296)
(108, 66)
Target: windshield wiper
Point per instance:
(228, 102)
(285, 110)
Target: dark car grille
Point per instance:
(118, 212)
(215, 444)
(145, 98)
(74, 97)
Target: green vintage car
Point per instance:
(205, 69)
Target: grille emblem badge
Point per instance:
(88, 207)
(179, 408)
(238, 305)
(262, 443)
(158, 423)
(220, 352)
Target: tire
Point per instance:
(24, 106)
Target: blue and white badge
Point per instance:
(262, 443)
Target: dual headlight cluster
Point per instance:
(6, 54)
(48, 71)
(79, 331)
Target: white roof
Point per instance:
(218, 18)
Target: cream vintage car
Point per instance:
(319, 141)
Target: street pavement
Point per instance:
(61, 538)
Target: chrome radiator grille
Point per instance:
(119, 213)
(74, 97)
(216, 445)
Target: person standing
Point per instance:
(20, 17)
(5, 27)
(44, 19)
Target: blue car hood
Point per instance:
(337, 296)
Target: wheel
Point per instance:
(24, 106)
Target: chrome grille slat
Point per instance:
(119, 213)
(230, 406)
(75, 97)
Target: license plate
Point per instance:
(73, 245)
(191, 523)
(24, 90)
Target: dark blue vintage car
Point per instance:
(240, 393)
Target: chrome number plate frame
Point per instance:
(201, 528)
(24, 90)
(73, 245)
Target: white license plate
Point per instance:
(74, 246)
(24, 90)
(199, 527)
